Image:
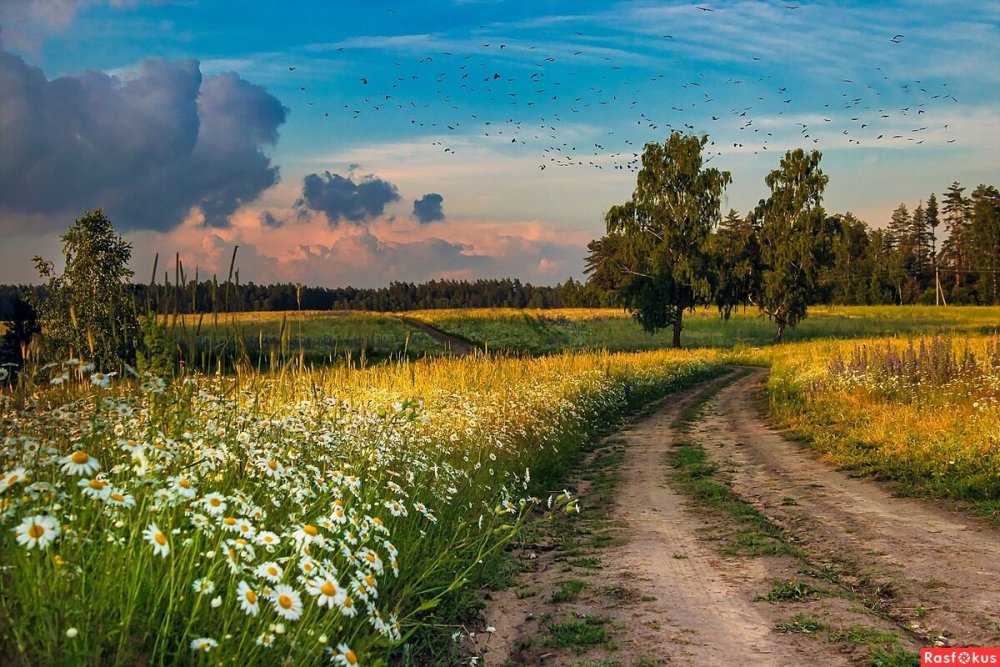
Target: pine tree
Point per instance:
(954, 250)
(984, 234)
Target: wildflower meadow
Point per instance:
(308, 517)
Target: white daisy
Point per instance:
(396, 508)
(326, 591)
(267, 539)
(203, 586)
(270, 571)
(370, 559)
(101, 380)
(182, 486)
(79, 463)
(154, 536)
(272, 468)
(215, 503)
(119, 499)
(37, 531)
(266, 640)
(345, 656)
(307, 534)
(347, 606)
(249, 600)
(203, 644)
(12, 477)
(94, 487)
(287, 602)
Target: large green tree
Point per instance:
(88, 310)
(794, 239)
(661, 254)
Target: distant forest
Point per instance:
(895, 265)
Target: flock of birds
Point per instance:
(536, 99)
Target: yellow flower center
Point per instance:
(36, 530)
(370, 557)
(285, 601)
(117, 497)
(338, 501)
(245, 527)
(370, 580)
(310, 529)
(96, 484)
(229, 521)
(273, 571)
(183, 483)
(350, 657)
(79, 458)
(11, 480)
(161, 539)
(268, 539)
(348, 602)
(241, 541)
(272, 464)
(378, 521)
(328, 589)
(251, 596)
(214, 502)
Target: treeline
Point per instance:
(954, 242)
(206, 296)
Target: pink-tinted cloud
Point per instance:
(308, 250)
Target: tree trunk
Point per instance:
(678, 325)
(779, 330)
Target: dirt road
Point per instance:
(457, 345)
(654, 577)
(940, 569)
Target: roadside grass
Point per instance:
(919, 413)
(568, 591)
(791, 590)
(801, 624)
(884, 648)
(579, 634)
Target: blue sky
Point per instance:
(361, 142)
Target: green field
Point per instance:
(550, 331)
(314, 337)
(320, 338)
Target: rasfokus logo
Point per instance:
(960, 656)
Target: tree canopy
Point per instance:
(89, 310)
(659, 237)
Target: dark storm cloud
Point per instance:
(147, 148)
(428, 208)
(343, 198)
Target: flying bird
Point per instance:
(897, 39)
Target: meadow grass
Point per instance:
(300, 516)
(549, 331)
(922, 412)
(265, 340)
